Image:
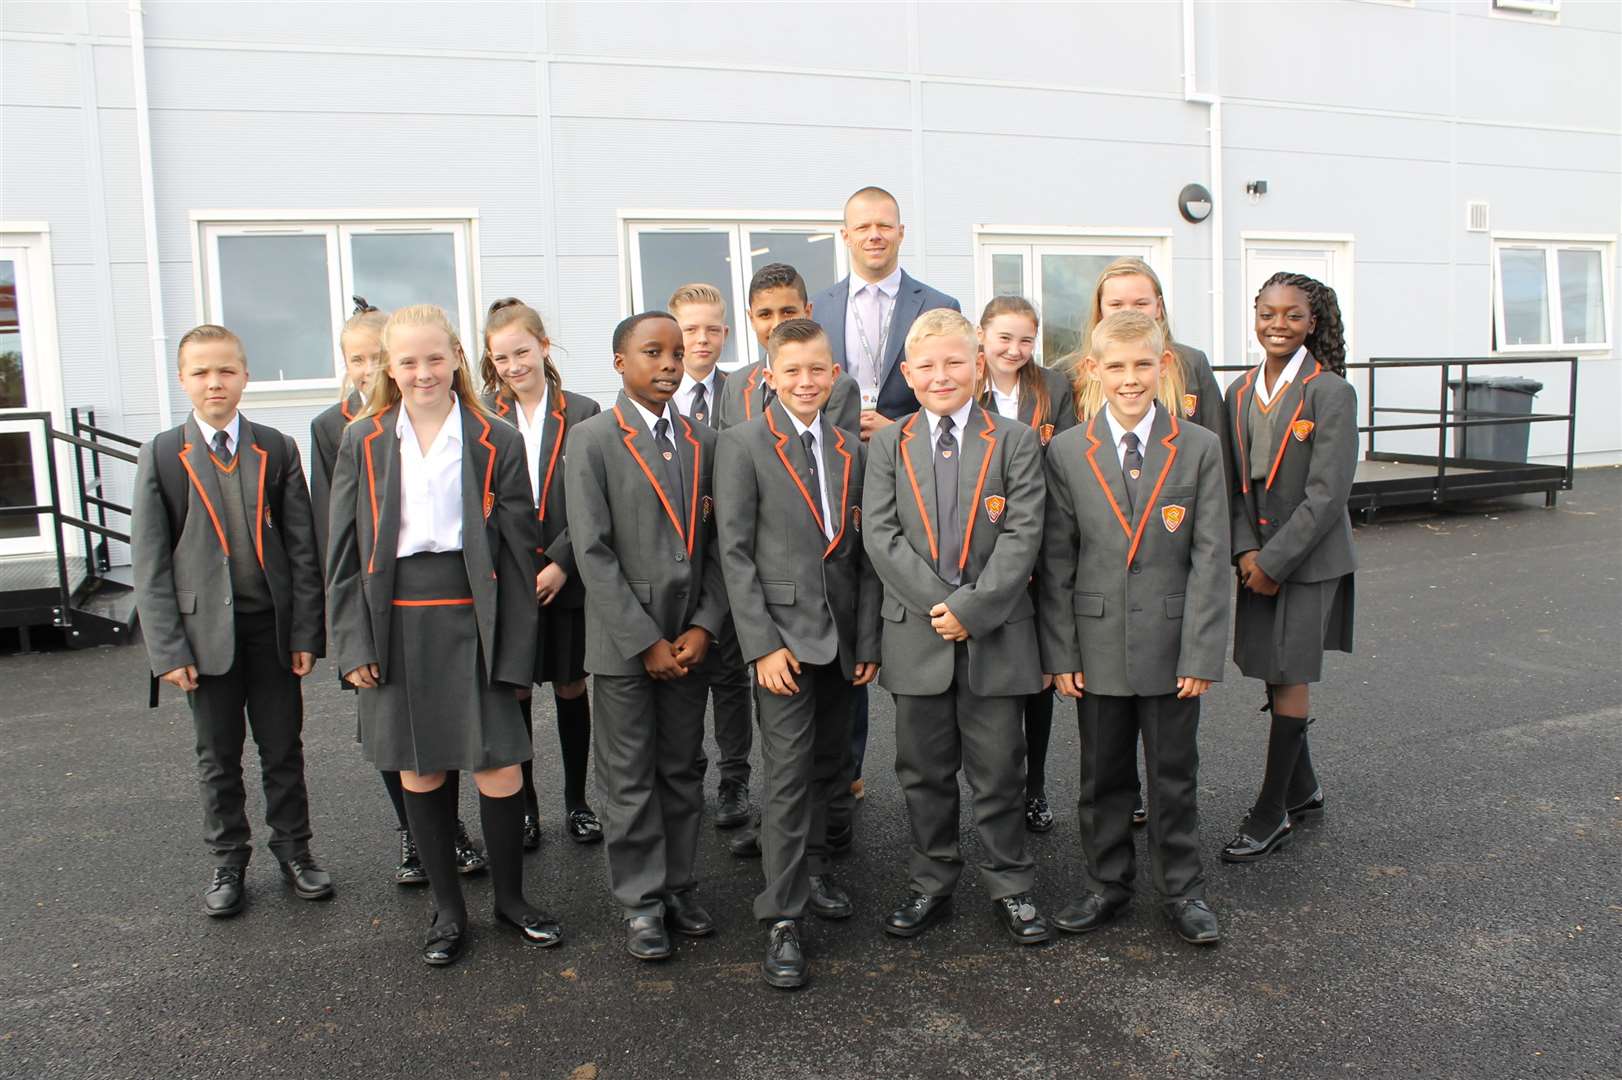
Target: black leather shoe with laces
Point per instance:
(685, 915)
(1087, 913)
(1194, 921)
(469, 858)
(785, 966)
(410, 871)
(224, 895)
(731, 804)
(645, 937)
(308, 880)
(582, 826)
(1020, 917)
(1038, 818)
(532, 832)
(827, 899)
(916, 914)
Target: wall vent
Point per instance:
(1477, 217)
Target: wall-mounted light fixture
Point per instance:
(1194, 203)
(1256, 189)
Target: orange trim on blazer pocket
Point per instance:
(461, 601)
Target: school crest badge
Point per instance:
(489, 504)
(1046, 431)
(1191, 404)
(1301, 429)
(1172, 517)
(995, 505)
(708, 507)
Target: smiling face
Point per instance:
(1008, 342)
(703, 336)
(213, 374)
(942, 371)
(422, 363)
(872, 233)
(363, 354)
(779, 304)
(1129, 292)
(651, 364)
(1129, 374)
(519, 358)
(803, 374)
(1283, 320)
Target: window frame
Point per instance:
(1551, 244)
(1543, 9)
(738, 225)
(1154, 246)
(339, 227)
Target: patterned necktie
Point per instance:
(947, 526)
(697, 411)
(222, 446)
(1132, 466)
(672, 469)
(809, 442)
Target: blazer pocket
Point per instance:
(186, 602)
(891, 610)
(1182, 491)
(778, 592)
(1090, 604)
(1174, 606)
(642, 591)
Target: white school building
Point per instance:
(1453, 169)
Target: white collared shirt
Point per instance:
(430, 486)
(232, 427)
(683, 399)
(859, 365)
(816, 429)
(1145, 426)
(652, 419)
(533, 432)
(1285, 377)
(1007, 404)
(960, 420)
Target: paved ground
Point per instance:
(1457, 914)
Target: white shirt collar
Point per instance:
(1142, 429)
(232, 427)
(815, 427)
(1007, 404)
(688, 382)
(889, 285)
(1285, 378)
(960, 421)
(449, 431)
(652, 419)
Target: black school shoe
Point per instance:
(1038, 818)
(1020, 917)
(827, 900)
(1088, 912)
(785, 966)
(732, 804)
(645, 937)
(224, 895)
(685, 915)
(916, 914)
(1194, 921)
(308, 880)
(445, 943)
(469, 858)
(410, 871)
(532, 832)
(582, 826)
(1247, 847)
(1314, 804)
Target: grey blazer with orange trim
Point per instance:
(499, 539)
(1001, 494)
(744, 393)
(551, 508)
(1296, 520)
(788, 584)
(1134, 604)
(183, 584)
(326, 432)
(649, 565)
(1061, 410)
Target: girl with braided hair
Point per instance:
(1292, 454)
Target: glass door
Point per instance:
(23, 477)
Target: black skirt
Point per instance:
(437, 711)
(560, 655)
(1282, 639)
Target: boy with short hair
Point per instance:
(953, 523)
(228, 588)
(1134, 612)
(805, 600)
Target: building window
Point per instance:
(1551, 294)
(285, 286)
(1528, 7)
(1058, 273)
(665, 254)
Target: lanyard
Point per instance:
(875, 361)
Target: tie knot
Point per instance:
(946, 427)
(808, 440)
(1130, 439)
(661, 426)
(698, 393)
(221, 443)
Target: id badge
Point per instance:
(870, 397)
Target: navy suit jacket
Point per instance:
(896, 398)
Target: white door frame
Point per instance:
(28, 243)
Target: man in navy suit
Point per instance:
(866, 317)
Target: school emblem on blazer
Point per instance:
(1191, 404)
(995, 504)
(708, 506)
(489, 503)
(1046, 432)
(1301, 429)
(1172, 516)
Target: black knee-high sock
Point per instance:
(391, 781)
(503, 821)
(1038, 731)
(574, 738)
(1303, 781)
(532, 802)
(433, 826)
(1283, 749)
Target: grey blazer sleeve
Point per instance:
(348, 619)
(323, 459)
(308, 630)
(152, 554)
(1242, 531)
(1056, 580)
(900, 568)
(609, 596)
(1208, 595)
(985, 603)
(845, 404)
(1329, 481)
(737, 507)
(561, 549)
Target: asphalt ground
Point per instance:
(1457, 912)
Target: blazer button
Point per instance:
(680, 557)
(1135, 568)
(227, 601)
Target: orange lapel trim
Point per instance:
(782, 441)
(979, 486)
(1240, 435)
(748, 394)
(923, 511)
(844, 489)
(485, 503)
(1283, 444)
(698, 461)
(670, 512)
(207, 504)
(1154, 496)
(371, 484)
(1094, 442)
(259, 515)
(552, 462)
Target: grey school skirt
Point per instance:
(1282, 639)
(436, 711)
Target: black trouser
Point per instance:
(1109, 728)
(731, 690)
(259, 691)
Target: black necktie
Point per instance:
(809, 441)
(672, 470)
(222, 446)
(698, 411)
(946, 515)
(1132, 466)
